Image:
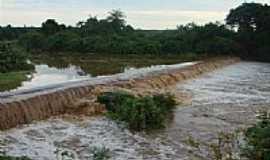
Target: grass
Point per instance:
(100, 153)
(138, 113)
(12, 80)
(258, 140)
(13, 158)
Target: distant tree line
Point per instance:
(113, 35)
(246, 33)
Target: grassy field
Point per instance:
(12, 80)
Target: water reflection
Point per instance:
(58, 69)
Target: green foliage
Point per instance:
(100, 153)
(258, 140)
(13, 158)
(51, 27)
(12, 80)
(12, 59)
(32, 41)
(252, 20)
(112, 35)
(62, 41)
(139, 113)
(9, 33)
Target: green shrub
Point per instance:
(32, 41)
(100, 153)
(258, 140)
(12, 59)
(138, 113)
(62, 41)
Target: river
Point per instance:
(221, 101)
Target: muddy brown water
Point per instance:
(222, 101)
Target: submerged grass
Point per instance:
(12, 80)
(100, 153)
(138, 113)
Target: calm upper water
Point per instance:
(56, 70)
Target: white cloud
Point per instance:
(154, 19)
(170, 19)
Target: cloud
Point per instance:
(150, 14)
(170, 18)
(154, 19)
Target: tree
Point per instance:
(62, 41)
(252, 20)
(117, 19)
(245, 17)
(12, 59)
(32, 41)
(50, 27)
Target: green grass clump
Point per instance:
(138, 113)
(14, 158)
(12, 80)
(258, 140)
(100, 153)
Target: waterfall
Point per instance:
(81, 100)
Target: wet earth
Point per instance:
(223, 101)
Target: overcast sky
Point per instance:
(147, 14)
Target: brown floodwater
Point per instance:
(222, 101)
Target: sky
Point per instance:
(144, 14)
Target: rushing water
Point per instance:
(222, 101)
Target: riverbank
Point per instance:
(12, 80)
(42, 104)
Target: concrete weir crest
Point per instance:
(29, 105)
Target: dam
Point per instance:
(25, 106)
(221, 96)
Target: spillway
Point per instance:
(223, 100)
(26, 106)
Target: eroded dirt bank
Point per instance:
(221, 101)
(25, 108)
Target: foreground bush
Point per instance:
(149, 112)
(258, 140)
